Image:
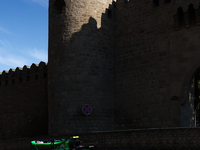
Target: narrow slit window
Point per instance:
(109, 13)
(36, 76)
(126, 1)
(59, 4)
(155, 3)
(13, 81)
(20, 80)
(180, 16)
(45, 75)
(6, 82)
(167, 1)
(199, 8)
(191, 13)
(28, 78)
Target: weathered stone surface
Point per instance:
(135, 62)
(80, 66)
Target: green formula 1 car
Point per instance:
(60, 144)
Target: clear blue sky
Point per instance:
(23, 33)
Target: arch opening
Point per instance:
(190, 109)
(180, 16)
(191, 13)
(197, 98)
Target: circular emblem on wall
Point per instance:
(87, 109)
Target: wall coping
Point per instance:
(144, 129)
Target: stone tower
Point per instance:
(80, 68)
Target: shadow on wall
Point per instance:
(23, 97)
(86, 61)
(92, 51)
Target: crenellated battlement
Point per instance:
(184, 5)
(123, 57)
(186, 14)
(25, 74)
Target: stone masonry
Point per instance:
(23, 97)
(81, 65)
(136, 62)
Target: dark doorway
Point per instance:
(197, 98)
(190, 108)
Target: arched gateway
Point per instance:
(190, 108)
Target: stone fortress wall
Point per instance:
(141, 64)
(23, 99)
(156, 56)
(136, 62)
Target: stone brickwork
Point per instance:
(142, 57)
(136, 62)
(156, 56)
(23, 99)
(183, 64)
(80, 65)
(145, 139)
